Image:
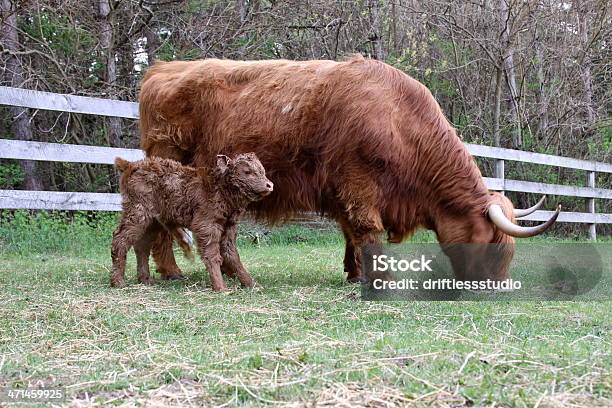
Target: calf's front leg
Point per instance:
(208, 239)
(231, 258)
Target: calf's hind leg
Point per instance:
(142, 248)
(162, 247)
(125, 236)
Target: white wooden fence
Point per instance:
(53, 200)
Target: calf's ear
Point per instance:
(222, 162)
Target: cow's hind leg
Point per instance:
(164, 257)
(358, 200)
(352, 255)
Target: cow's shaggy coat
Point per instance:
(359, 141)
(160, 194)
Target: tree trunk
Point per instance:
(114, 128)
(376, 31)
(497, 112)
(393, 46)
(542, 98)
(242, 8)
(508, 57)
(13, 75)
(243, 11)
(587, 78)
(153, 44)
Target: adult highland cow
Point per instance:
(358, 141)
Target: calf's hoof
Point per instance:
(220, 289)
(170, 274)
(228, 272)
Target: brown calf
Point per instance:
(161, 194)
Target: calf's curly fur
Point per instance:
(161, 195)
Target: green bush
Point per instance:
(11, 175)
(26, 232)
(82, 232)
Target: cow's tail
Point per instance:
(185, 241)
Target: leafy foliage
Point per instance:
(11, 175)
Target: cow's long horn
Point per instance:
(518, 212)
(498, 218)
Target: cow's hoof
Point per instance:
(252, 284)
(357, 279)
(174, 277)
(146, 281)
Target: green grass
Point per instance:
(303, 336)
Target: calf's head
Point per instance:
(244, 175)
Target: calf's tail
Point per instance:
(185, 241)
(125, 169)
(122, 164)
(182, 237)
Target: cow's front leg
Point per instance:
(164, 257)
(208, 239)
(232, 264)
(365, 227)
(352, 255)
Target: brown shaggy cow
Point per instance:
(359, 141)
(160, 194)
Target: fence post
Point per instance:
(499, 171)
(590, 205)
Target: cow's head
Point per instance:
(480, 244)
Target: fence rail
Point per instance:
(61, 200)
(26, 98)
(25, 150)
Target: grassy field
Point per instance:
(303, 338)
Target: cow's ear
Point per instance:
(222, 162)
